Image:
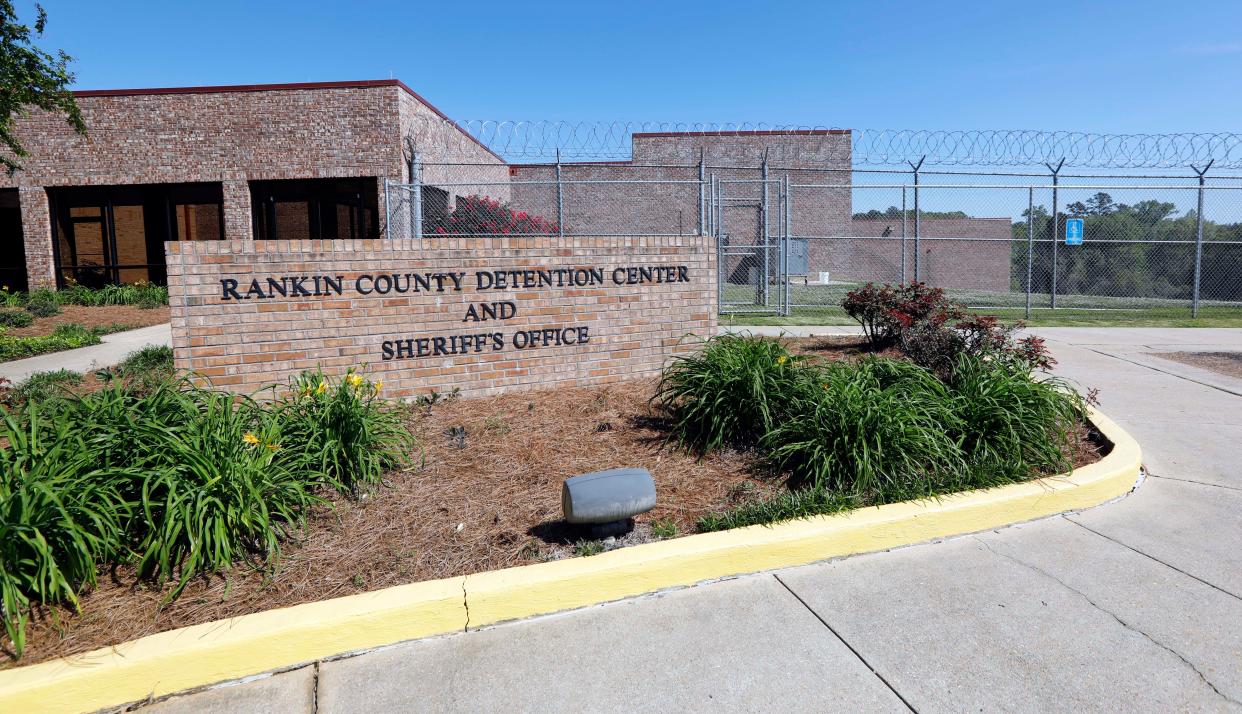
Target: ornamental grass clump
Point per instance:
(172, 478)
(733, 392)
(345, 431)
(59, 516)
(883, 426)
(1012, 426)
(213, 486)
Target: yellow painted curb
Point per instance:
(251, 644)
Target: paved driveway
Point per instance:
(1135, 605)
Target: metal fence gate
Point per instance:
(750, 220)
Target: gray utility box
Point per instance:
(607, 496)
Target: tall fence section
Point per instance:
(797, 224)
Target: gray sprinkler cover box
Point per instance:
(607, 496)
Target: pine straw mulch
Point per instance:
(108, 316)
(486, 496)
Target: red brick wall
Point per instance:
(959, 253)
(246, 344)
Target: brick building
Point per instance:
(299, 161)
(208, 163)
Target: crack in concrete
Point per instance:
(1115, 616)
(848, 646)
(465, 601)
(1169, 373)
(315, 689)
(1198, 483)
(1149, 556)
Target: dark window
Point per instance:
(12, 245)
(315, 209)
(115, 234)
(435, 209)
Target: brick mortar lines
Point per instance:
(634, 329)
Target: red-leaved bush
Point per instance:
(480, 215)
(934, 331)
(885, 312)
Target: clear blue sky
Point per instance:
(1112, 67)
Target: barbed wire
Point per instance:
(541, 140)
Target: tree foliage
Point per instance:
(1143, 250)
(30, 77)
(894, 213)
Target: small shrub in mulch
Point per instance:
(42, 303)
(15, 318)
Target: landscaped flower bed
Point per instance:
(45, 321)
(207, 506)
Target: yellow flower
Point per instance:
(781, 359)
(323, 387)
(250, 438)
(273, 447)
(378, 383)
(355, 380)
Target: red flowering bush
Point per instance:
(480, 215)
(934, 332)
(886, 312)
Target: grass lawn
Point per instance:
(1068, 317)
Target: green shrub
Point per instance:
(1012, 426)
(15, 318)
(343, 429)
(59, 516)
(211, 485)
(799, 503)
(66, 337)
(42, 303)
(148, 366)
(144, 294)
(882, 425)
(732, 392)
(9, 298)
(44, 386)
(177, 479)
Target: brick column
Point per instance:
(238, 224)
(37, 236)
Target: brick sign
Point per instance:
(482, 315)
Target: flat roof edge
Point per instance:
(746, 132)
(286, 86)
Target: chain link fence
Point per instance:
(797, 230)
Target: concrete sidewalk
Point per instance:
(111, 351)
(1135, 605)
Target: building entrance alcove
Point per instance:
(112, 235)
(12, 242)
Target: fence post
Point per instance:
(1030, 245)
(387, 210)
(702, 194)
(1056, 216)
(767, 239)
(915, 168)
(1194, 300)
(903, 236)
(789, 241)
(416, 186)
(560, 199)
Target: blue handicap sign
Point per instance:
(1073, 231)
